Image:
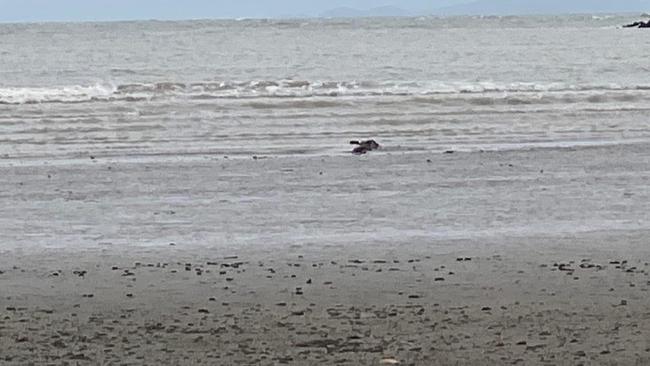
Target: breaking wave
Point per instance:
(484, 91)
(63, 94)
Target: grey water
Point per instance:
(164, 90)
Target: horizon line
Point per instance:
(307, 17)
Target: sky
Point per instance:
(70, 10)
(89, 10)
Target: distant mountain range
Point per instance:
(383, 11)
(502, 7)
(520, 7)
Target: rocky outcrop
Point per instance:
(639, 24)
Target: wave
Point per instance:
(485, 92)
(63, 94)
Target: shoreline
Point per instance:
(329, 260)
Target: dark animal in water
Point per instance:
(364, 146)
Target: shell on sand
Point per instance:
(389, 361)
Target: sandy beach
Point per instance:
(531, 257)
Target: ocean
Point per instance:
(236, 133)
(169, 90)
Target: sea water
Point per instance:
(118, 133)
(161, 90)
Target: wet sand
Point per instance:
(517, 257)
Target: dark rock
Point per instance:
(535, 348)
(59, 344)
(79, 357)
(79, 273)
(639, 24)
(632, 25)
(318, 343)
(364, 146)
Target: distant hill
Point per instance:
(502, 7)
(383, 11)
(521, 7)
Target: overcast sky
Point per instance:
(30, 10)
(78, 10)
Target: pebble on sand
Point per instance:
(388, 361)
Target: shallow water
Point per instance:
(169, 89)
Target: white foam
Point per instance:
(74, 93)
(287, 88)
